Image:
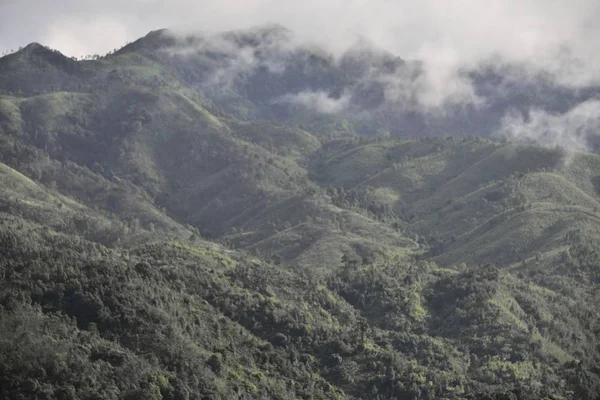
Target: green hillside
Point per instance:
(163, 238)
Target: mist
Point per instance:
(573, 129)
(559, 37)
(319, 101)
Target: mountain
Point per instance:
(267, 72)
(181, 219)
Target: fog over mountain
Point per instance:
(533, 43)
(451, 33)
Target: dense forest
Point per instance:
(168, 235)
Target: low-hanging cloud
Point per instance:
(229, 58)
(573, 129)
(318, 101)
(412, 85)
(557, 36)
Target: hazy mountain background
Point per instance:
(249, 214)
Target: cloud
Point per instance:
(319, 101)
(229, 56)
(431, 89)
(405, 85)
(573, 129)
(557, 36)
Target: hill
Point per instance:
(169, 233)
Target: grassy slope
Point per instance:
(227, 173)
(174, 295)
(487, 202)
(133, 155)
(256, 177)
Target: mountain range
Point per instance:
(244, 215)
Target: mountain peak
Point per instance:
(32, 47)
(152, 41)
(364, 54)
(37, 69)
(41, 52)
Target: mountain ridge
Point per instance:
(169, 233)
(278, 77)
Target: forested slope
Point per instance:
(160, 241)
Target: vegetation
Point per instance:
(162, 239)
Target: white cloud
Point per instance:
(272, 52)
(572, 129)
(317, 101)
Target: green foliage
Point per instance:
(337, 267)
